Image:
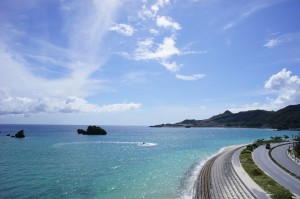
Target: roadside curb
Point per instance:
(256, 190)
(279, 165)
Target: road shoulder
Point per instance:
(244, 177)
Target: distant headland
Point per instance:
(287, 118)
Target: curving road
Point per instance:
(280, 155)
(262, 159)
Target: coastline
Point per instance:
(196, 187)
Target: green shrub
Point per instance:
(275, 190)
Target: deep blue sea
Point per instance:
(53, 161)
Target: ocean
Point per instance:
(132, 162)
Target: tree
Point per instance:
(286, 137)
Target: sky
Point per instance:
(145, 62)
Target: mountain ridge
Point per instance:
(285, 118)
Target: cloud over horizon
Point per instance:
(24, 105)
(284, 86)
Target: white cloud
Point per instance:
(145, 13)
(173, 66)
(154, 31)
(147, 43)
(24, 105)
(149, 49)
(280, 39)
(151, 12)
(272, 43)
(159, 4)
(286, 87)
(190, 77)
(164, 50)
(123, 29)
(167, 22)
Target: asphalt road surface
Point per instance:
(280, 155)
(262, 159)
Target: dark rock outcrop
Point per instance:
(20, 134)
(81, 131)
(92, 130)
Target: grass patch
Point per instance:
(296, 149)
(275, 190)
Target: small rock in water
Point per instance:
(20, 134)
(92, 130)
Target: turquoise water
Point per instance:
(55, 162)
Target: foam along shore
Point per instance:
(218, 178)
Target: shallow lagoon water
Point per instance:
(53, 161)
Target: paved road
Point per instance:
(280, 155)
(262, 159)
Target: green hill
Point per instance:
(286, 118)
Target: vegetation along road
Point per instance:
(263, 160)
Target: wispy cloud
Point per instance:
(123, 29)
(93, 20)
(159, 4)
(247, 10)
(135, 77)
(167, 22)
(171, 66)
(190, 77)
(280, 39)
(151, 12)
(272, 43)
(154, 31)
(229, 25)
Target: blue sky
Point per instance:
(129, 62)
